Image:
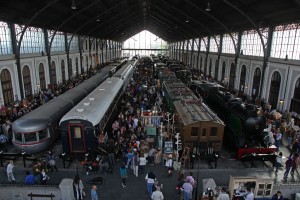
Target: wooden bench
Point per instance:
(51, 196)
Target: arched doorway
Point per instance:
(256, 82)
(63, 71)
(87, 62)
(243, 79)
(42, 77)
(77, 68)
(210, 66)
(200, 70)
(223, 71)
(274, 89)
(53, 73)
(216, 70)
(71, 68)
(295, 103)
(205, 69)
(231, 76)
(7, 89)
(27, 81)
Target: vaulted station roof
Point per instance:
(172, 20)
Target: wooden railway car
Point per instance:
(198, 124)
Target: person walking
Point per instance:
(288, 166)
(278, 137)
(123, 174)
(10, 173)
(169, 165)
(29, 179)
(44, 177)
(94, 195)
(150, 179)
(78, 188)
(51, 162)
(142, 163)
(135, 164)
(187, 190)
(157, 194)
(278, 161)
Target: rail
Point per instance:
(51, 196)
(14, 156)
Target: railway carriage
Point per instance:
(82, 125)
(37, 130)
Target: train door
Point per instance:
(76, 138)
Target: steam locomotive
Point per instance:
(244, 121)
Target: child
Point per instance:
(123, 174)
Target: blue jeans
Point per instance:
(149, 188)
(128, 162)
(187, 195)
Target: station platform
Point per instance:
(136, 186)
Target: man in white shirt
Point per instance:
(248, 195)
(9, 171)
(223, 195)
(157, 194)
(150, 179)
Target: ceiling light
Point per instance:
(207, 9)
(73, 6)
(187, 19)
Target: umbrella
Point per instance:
(3, 139)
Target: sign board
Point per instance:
(151, 131)
(168, 147)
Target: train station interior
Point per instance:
(89, 88)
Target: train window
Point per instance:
(194, 131)
(204, 132)
(77, 132)
(213, 131)
(18, 137)
(43, 134)
(30, 137)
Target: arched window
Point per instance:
(77, 68)
(71, 68)
(243, 79)
(232, 77)
(295, 103)
(210, 66)
(63, 71)
(87, 62)
(216, 70)
(223, 71)
(201, 65)
(274, 89)
(256, 82)
(297, 90)
(27, 81)
(42, 77)
(7, 89)
(53, 73)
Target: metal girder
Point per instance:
(214, 18)
(95, 28)
(167, 25)
(77, 13)
(178, 21)
(251, 21)
(93, 19)
(195, 20)
(121, 25)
